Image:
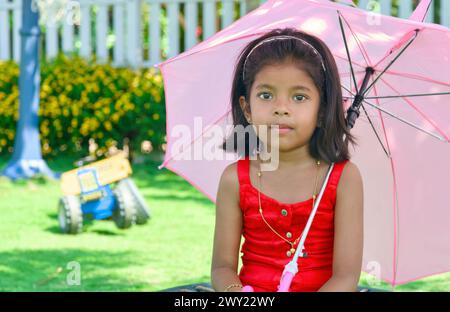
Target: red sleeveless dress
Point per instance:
(264, 254)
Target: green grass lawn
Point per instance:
(174, 248)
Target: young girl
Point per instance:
(290, 79)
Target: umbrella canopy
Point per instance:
(394, 71)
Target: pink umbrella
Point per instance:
(396, 70)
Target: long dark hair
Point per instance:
(327, 142)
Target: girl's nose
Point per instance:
(281, 110)
(281, 113)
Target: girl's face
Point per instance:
(283, 95)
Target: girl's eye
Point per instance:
(263, 93)
(267, 95)
(298, 96)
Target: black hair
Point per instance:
(327, 142)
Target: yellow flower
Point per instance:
(108, 125)
(99, 114)
(135, 82)
(44, 130)
(157, 78)
(93, 124)
(46, 87)
(115, 117)
(84, 130)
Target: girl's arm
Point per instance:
(227, 233)
(348, 232)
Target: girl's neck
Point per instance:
(297, 158)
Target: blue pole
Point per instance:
(26, 160)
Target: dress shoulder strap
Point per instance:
(243, 168)
(335, 177)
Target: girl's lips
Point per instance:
(282, 129)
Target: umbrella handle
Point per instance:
(283, 287)
(285, 282)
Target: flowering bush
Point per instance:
(81, 100)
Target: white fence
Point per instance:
(143, 32)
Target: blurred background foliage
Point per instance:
(81, 100)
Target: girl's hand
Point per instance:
(235, 289)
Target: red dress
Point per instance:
(265, 253)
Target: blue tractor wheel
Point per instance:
(70, 216)
(142, 210)
(124, 215)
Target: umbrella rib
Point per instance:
(405, 95)
(390, 52)
(382, 124)
(395, 193)
(348, 90)
(417, 77)
(347, 51)
(443, 137)
(358, 42)
(373, 127)
(357, 72)
(392, 62)
(405, 121)
(398, 117)
(376, 132)
(345, 59)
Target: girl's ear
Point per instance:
(245, 108)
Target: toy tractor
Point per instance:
(101, 190)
